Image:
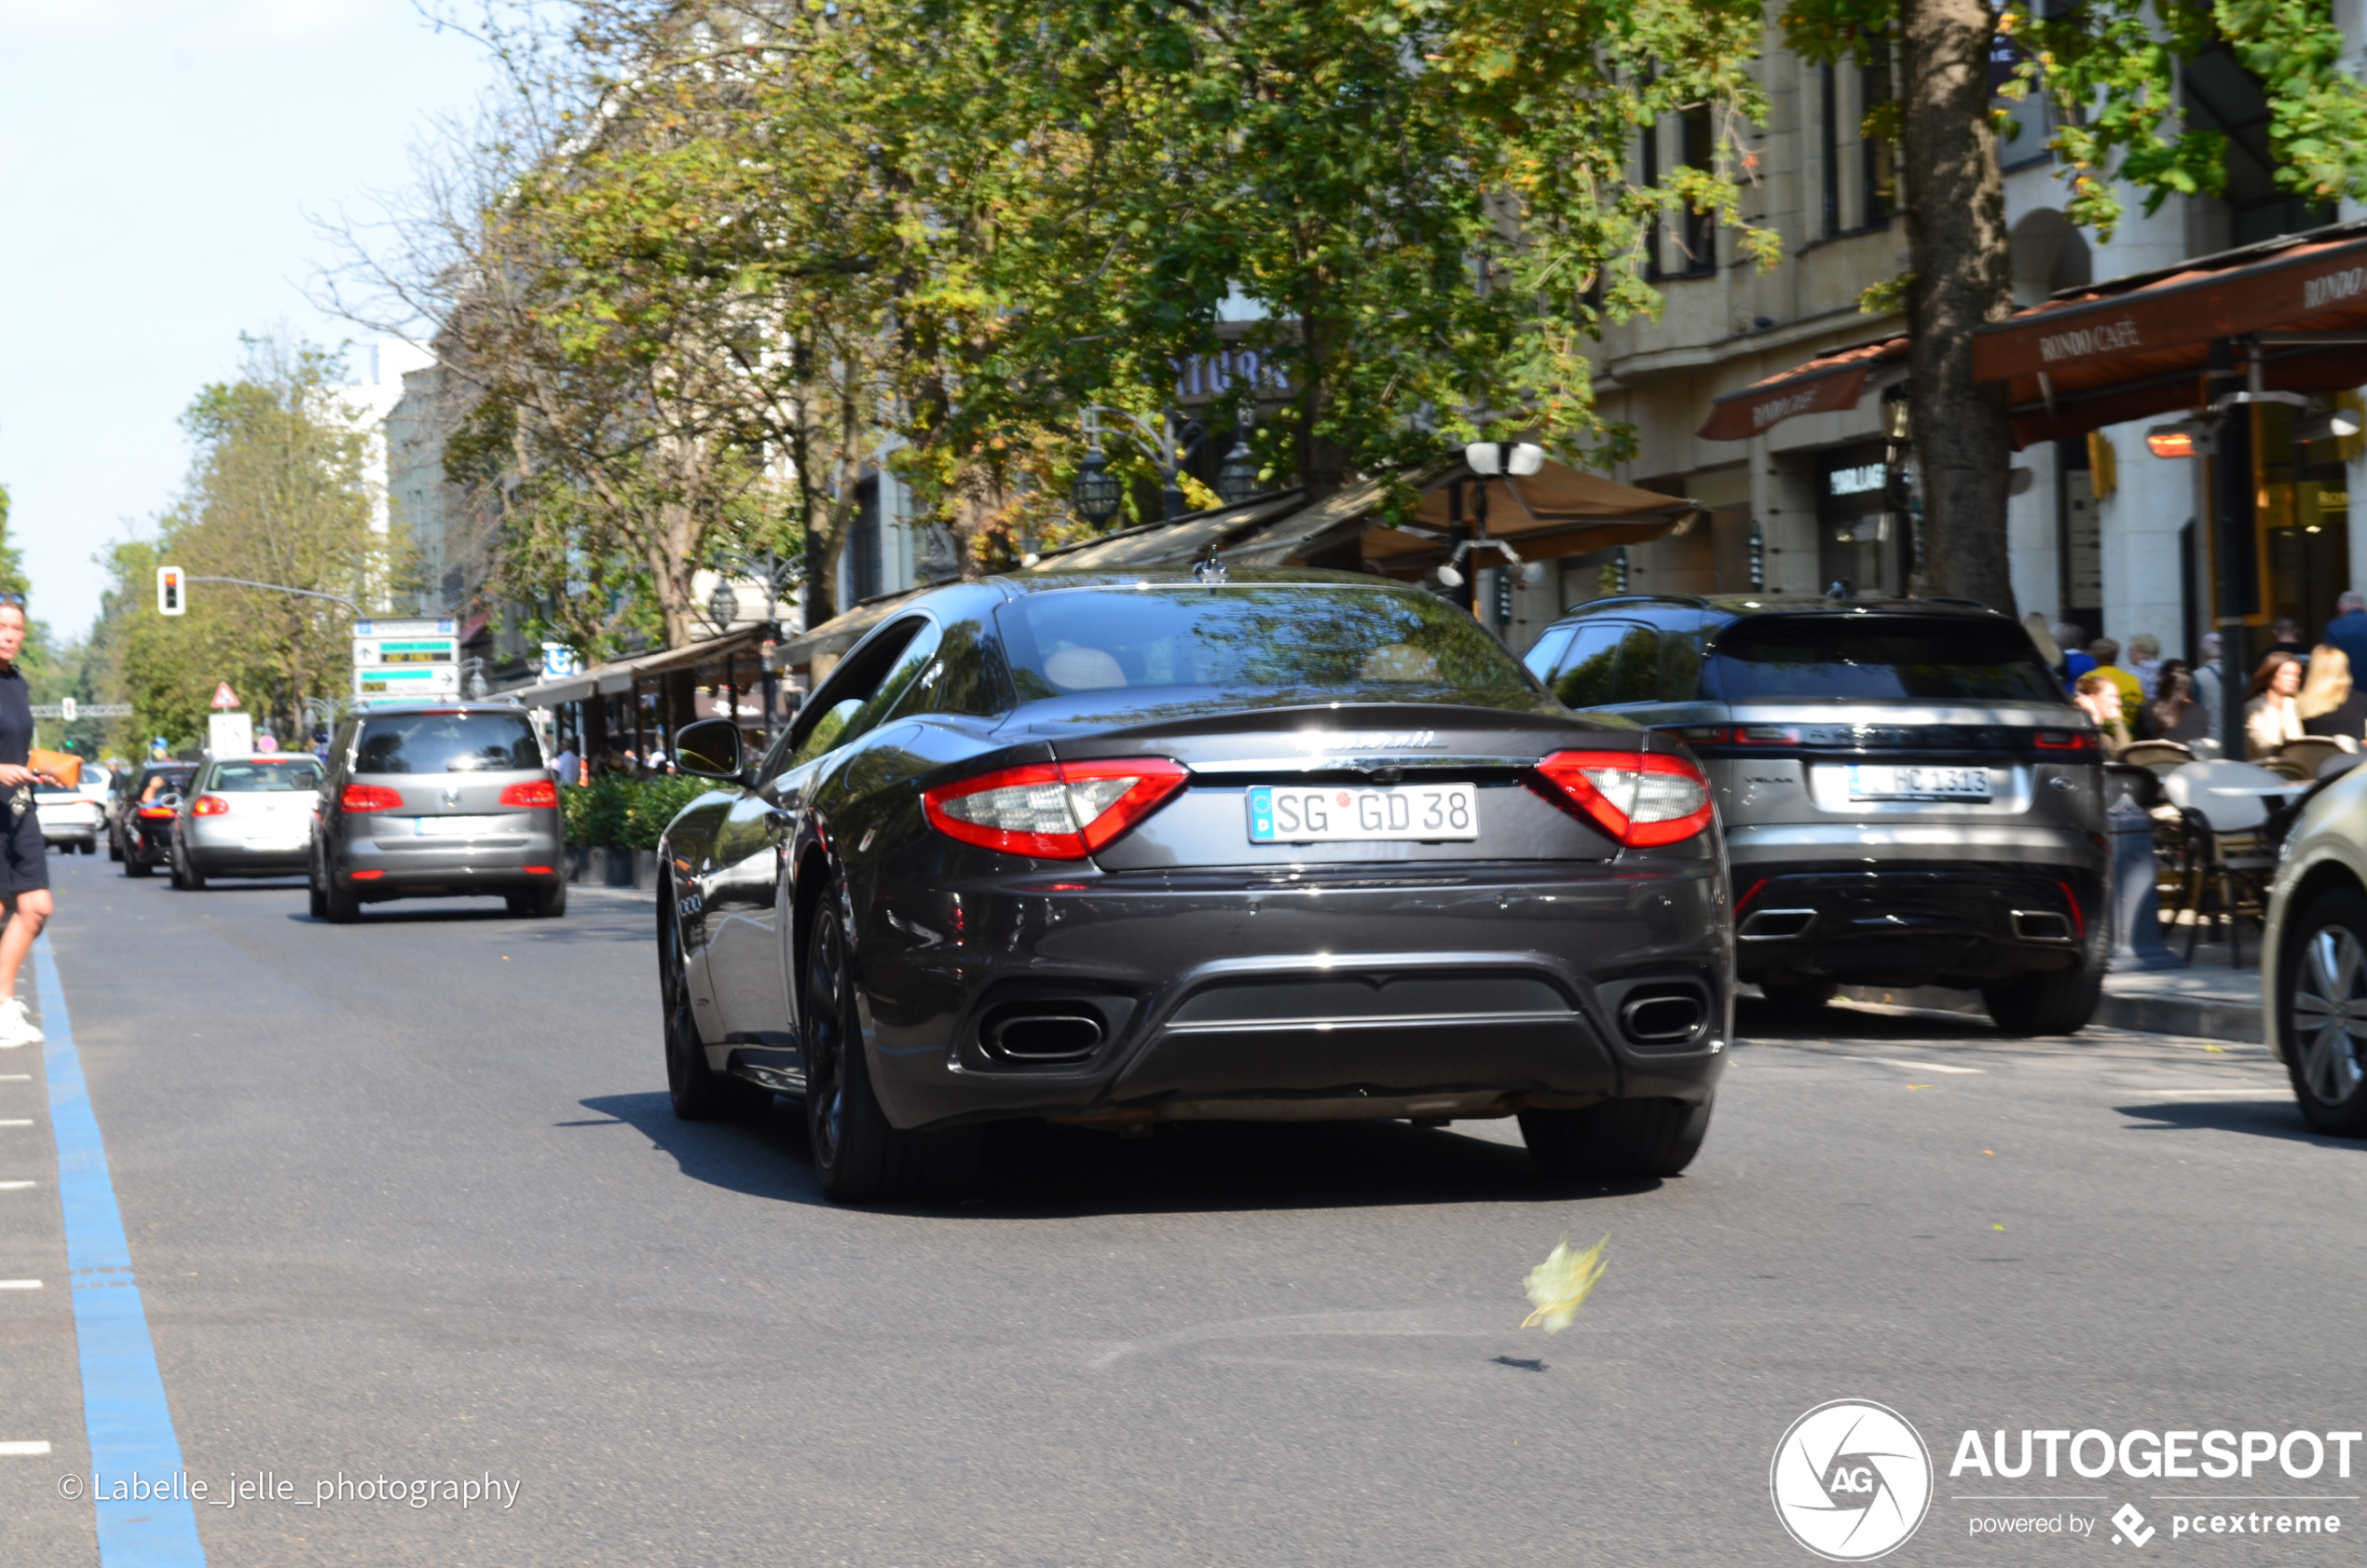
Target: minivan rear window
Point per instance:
(1844, 656)
(296, 774)
(1295, 637)
(447, 742)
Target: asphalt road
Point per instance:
(406, 1199)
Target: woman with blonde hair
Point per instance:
(2329, 701)
(2270, 719)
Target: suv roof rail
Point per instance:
(1690, 600)
(1954, 599)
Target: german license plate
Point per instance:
(452, 827)
(1869, 781)
(1308, 814)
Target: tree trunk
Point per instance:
(1955, 202)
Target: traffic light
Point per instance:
(170, 600)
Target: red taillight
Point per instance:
(534, 792)
(359, 798)
(1640, 799)
(157, 813)
(210, 806)
(539, 872)
(2064, 740)
(1053, 810)
(367, 875)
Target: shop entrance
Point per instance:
(2305, 521)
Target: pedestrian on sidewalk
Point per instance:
(2270, 716)
(24, 859)
(2106, 653)
(2331, 702)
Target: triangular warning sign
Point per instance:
(224, 697)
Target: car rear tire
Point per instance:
(135, 863)
(858, 1157)
(319, 900)
(114, 848)
(2321, 1011)
(340, 906)
(541, 903)
(185, 877)
(2058, 1003)
(1798, 996)
(1619, 1138)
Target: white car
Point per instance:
(2314, 958)
(72, 816)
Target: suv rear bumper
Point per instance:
(1774, 849)
(1937, 924)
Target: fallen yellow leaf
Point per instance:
(1559, 1286)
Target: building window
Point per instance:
(1651, 150)
(1832, 107)
(1759, 558)
(1874, 170)
(1700, 229)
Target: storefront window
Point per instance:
(1855, 533)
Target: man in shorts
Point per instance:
(24, 859)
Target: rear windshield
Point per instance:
(447, 743)
(1299, 637)
(164, 781)
(1836, 656)
(262, 778)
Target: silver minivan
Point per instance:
(438, 801)
(1909, 797)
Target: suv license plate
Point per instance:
(1868, 782)
(1305, 815)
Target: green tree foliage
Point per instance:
(711, 247)
(276, 494)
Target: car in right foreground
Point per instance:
(1130, 849)
(1909, 798)
(2314, 958)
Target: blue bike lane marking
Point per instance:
(123, 1403)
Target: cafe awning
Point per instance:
(1828, 383)
(2138, 346)
(619, 676)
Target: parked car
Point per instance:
(247, 817)
(1118, 849)
(1908, 797)
(72, 816)
(442, 802)
(2314, 958)
(144, 813)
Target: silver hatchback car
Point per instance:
(246, 817)
(1909, 797)
(452, 800)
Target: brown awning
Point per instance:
(2136, 347)
(1825, 384)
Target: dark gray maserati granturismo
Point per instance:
(1124, 848)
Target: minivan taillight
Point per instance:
(1053, 810)
(1640, 799)
(534, 792)
(359, 798)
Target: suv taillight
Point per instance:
(359, 798)
(1053, 810)
(1640, 799)
(534, 792)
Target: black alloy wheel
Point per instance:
(858, 1157)
(697, 1091)
(2322, 1001)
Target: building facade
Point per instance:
(2100, 532)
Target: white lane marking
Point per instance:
(14, 1186)
(2232, 1091)
(16, 1121)
(16, 1077)
(19, 1284)
(23, 1451)
(1916, 1067)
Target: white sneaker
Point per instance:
(15, 1027)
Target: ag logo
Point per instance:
(1852, 1481)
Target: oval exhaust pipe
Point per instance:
(1042, 1033)
(1663, 1017)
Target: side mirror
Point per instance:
(711, 748)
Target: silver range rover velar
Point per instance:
(1909, 797)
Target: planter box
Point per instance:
(613, 868)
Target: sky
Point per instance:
(158, 159)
